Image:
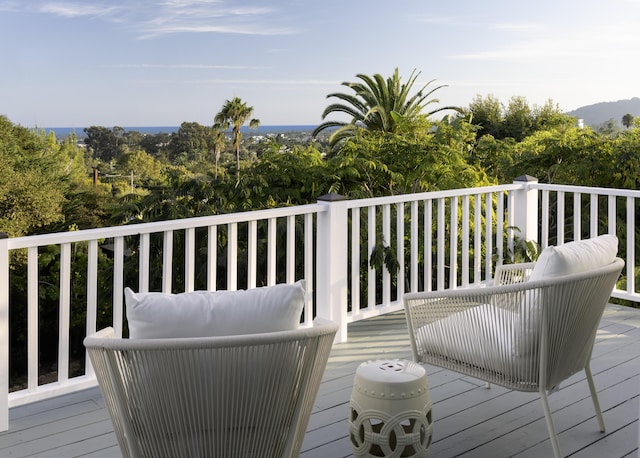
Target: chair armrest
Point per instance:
(508, 274)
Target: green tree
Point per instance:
(550, 115)
(33, 179)
(155, 144)
(626, 152)
(236, 113)
(377, 104)
(105, 143)
(140, 164)
(627, 120)
(519, 121)
(217, 143)
(567, 155)
(415, 158)
(486, 112)
(190, 143)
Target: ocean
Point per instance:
(62, 132)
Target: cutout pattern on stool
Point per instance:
(373, 433)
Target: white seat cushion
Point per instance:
(484, 336)
(575, 257)
(214, 313)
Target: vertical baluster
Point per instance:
(65, 312)
(371, 273)
(631, 245)
(291, 249)
(488, 238)
(428, 245)
(577, 216)
(189, 259)
(453, 243)
(400, 250)
(33, 316)
(232, 256)
(212, 258)
(440, 254)
(252, 255)
(118, 285)
(355, 260)
(308, 266)
(465, 241)
(477, 240)
(386, 240)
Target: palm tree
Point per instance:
(235, 113)
(378, 105)
(217, 143)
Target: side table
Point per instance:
(390, 410)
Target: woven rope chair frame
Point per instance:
(232, 396)
(519, 334)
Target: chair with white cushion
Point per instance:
(530, 330)
(246, 388)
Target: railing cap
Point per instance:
(332, 197)
(526, 178)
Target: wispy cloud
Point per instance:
(248, 82)
(202, 16)
(151, 19)
(190, 66)
(76, 9)
(547, 45)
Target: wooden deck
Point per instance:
(470, 420)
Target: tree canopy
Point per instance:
(378, 104)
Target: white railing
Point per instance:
(437, 240)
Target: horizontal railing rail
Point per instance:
(358, 258)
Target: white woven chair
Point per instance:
(232, 396)
(523, 335)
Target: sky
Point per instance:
(160, 63)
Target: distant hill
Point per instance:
(599, 113)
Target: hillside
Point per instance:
(602, 112)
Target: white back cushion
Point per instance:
(575, 257)
(217, 313)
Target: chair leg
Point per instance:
(552, 431)
(594, 397)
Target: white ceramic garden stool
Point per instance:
(390, 410)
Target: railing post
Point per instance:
(4, 331)
(525, 208)
(331, 274)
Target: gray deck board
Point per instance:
(470, 420)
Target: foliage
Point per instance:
(420, 156)
(517, 119)
(104, 143)
(190, 143)
(627, 120)
(378, 105)
(34, 173)
(523, 250)
(568, 155)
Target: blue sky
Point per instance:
(143, 63)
